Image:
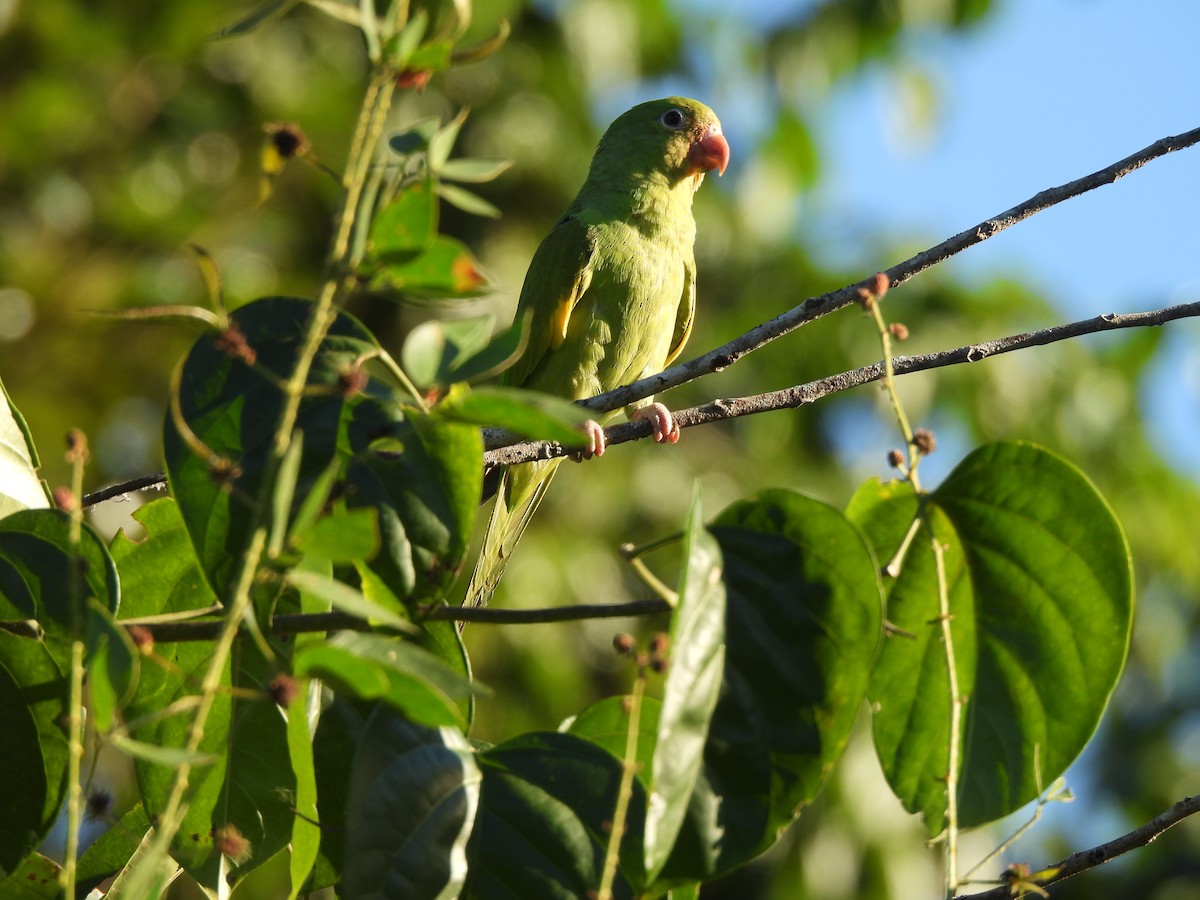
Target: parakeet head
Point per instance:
(674, 137)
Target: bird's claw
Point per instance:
(665, 428)
(596, 441)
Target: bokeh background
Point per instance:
(862, 131)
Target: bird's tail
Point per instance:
(518, 497)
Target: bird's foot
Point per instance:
(661, 420)
(596, 441)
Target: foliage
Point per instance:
(987, 621)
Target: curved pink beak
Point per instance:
(710, 152)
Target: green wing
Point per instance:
(686, 314)
(558, 276)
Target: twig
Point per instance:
(125, 487)
(955, 736)
(1102, 853)
(303, 623)
(802, 394)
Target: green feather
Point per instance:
(610, 293)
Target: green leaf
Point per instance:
(20, 485)
(474, 171)
(341, 596)
(443, 139)
(36, 546)
(23, 786)
(272, 9)
(113, 665)
(403, 45)
(36, 878)
(413, 796)
(697, 657)
(406, 227)
(234, 409)
(343, 535)
(468, 201)
(372, 666)
(545, 813)
(335, 743)
(163, 756)
(45, 694)
(160, 573)
(530, 414)
(426, 497)
(606, 724)
(1041, 599)
(445, 268)
(306, 831)
(113, 849)
(803, 623)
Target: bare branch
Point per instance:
(802, 394)
(1089, 859)
(302, 623)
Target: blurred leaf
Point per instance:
(23, 786)
(343, 597)
(36, 878)
(697, 657)
(474, 171)
(446, 268)
(414, 792)
(262, 14)
(342, 535)
(1040, 592)
(406, 227)
(536, 416)
(403, 45)
(443, 139)
(484, 49)
(563, 789)
(791, 146)
(803, 620)
(376, 667)
(335, 743)
(467, 201)
(438, 352)
(163, 756)
(234, 409)
(20, 485)
(113, 664)
(416, 138)
(306, 831)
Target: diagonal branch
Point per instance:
(1088, 859)
(802, 394)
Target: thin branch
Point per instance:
(802, 394)
(1089, 859)
(303, 623)
(156, 480)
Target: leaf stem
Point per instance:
(625, 792)
(952, 882)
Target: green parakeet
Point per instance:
(610, 293)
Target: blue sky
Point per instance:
(1044, 92)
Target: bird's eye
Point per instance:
(672, 118)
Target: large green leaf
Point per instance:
(697, 662)
(306, 831)
(113, 849)
(233, 408)
(23, 786)
(413, 796)
(803, 622)
(426, 495)
(20, 485)
(545, 814)
(36, 878)
(606, 724)
(1040, 591)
